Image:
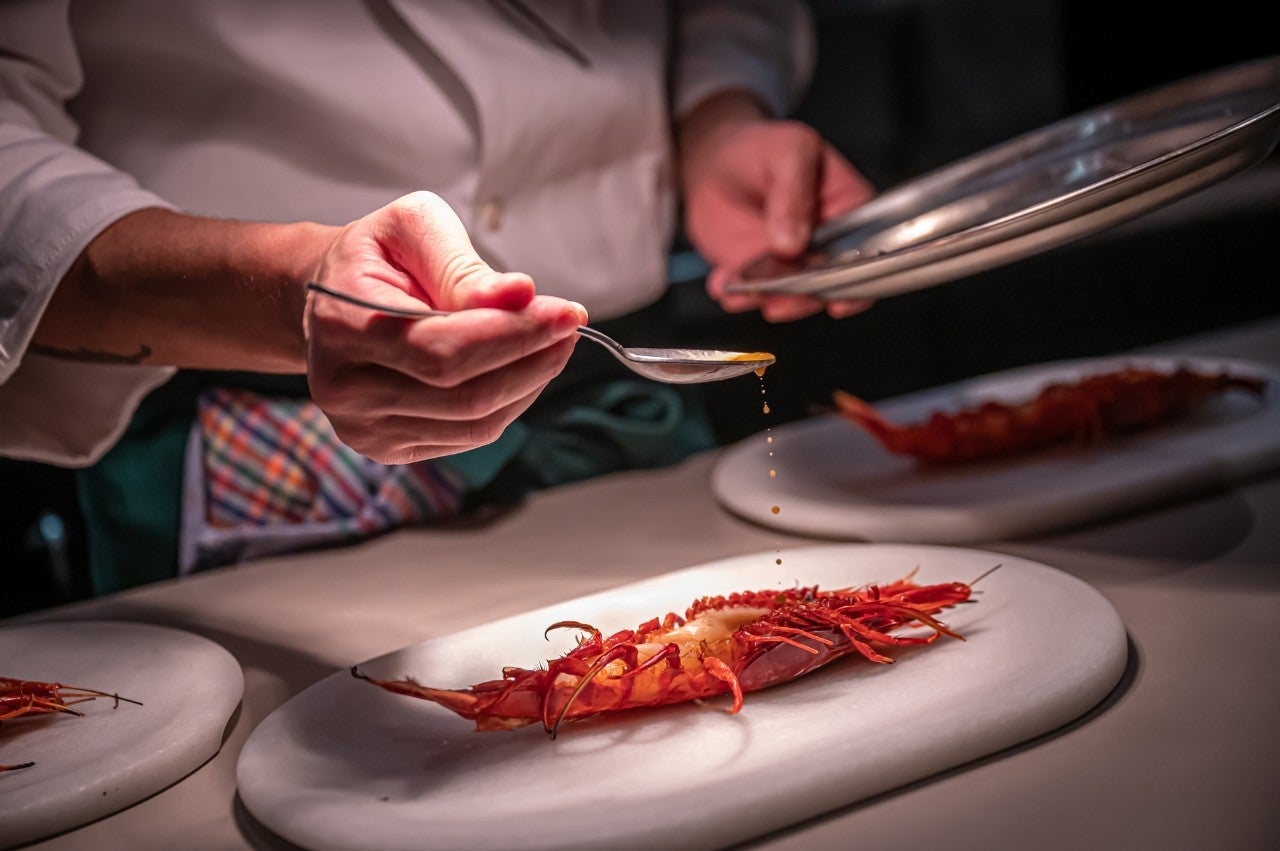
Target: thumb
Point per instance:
(791, 199)
(843, 186)
(425, 236)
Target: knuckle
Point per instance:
(441, 362)
(474, 401)
(461, 265)
(800, 131)
(409, 213)
(334, 398)
(376, 399)
(486, 430)
(355, 437)
(798, 146)
(415, 202)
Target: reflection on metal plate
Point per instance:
(1040, 190)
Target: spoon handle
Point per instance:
(604, 340)
(424, 312)
(408, 313)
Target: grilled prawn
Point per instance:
(1127, 400)
(723, 645)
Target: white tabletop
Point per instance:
(1185, 753)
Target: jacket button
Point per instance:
(491, 214)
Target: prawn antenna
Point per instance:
(984, 575)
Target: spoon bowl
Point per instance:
(671, 366)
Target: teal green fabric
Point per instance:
(132, 498)
(130, 502)
(625, 424)
(621, 424)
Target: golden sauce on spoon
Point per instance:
(740, 356)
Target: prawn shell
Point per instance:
(782, 635)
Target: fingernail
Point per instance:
(569, 320)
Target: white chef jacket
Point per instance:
(297, 110)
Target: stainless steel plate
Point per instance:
(1040, 190)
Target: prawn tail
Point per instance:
(464, 703)
(862, 414)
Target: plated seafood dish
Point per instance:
(1012, 453)
(726, 644)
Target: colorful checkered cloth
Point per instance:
(267, 475)
(279, 461)
(276, 478)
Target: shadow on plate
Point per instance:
(255, 833)
(1158, 540)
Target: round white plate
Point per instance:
(347, 765)
(834, 481)
(115, 755)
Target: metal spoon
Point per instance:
(673, 366)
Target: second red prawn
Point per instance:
(1120, 402)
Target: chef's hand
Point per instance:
(401, 390)
(752, 186)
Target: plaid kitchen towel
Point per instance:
(268, 475)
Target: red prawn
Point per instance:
(723, 645)
(31, 697)
(1082, 412)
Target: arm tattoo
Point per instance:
(91, 356)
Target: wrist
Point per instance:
(273, 264)
(718, 113)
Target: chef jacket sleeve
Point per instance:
(54, 198)
(763, 46)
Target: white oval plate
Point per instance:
(346, 765)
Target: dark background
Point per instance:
(903, 86)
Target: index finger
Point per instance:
(445, 351)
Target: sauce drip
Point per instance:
(773, 473)
(749, 356)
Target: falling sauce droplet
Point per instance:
(764, 407)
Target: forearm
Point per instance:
(161, 288)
